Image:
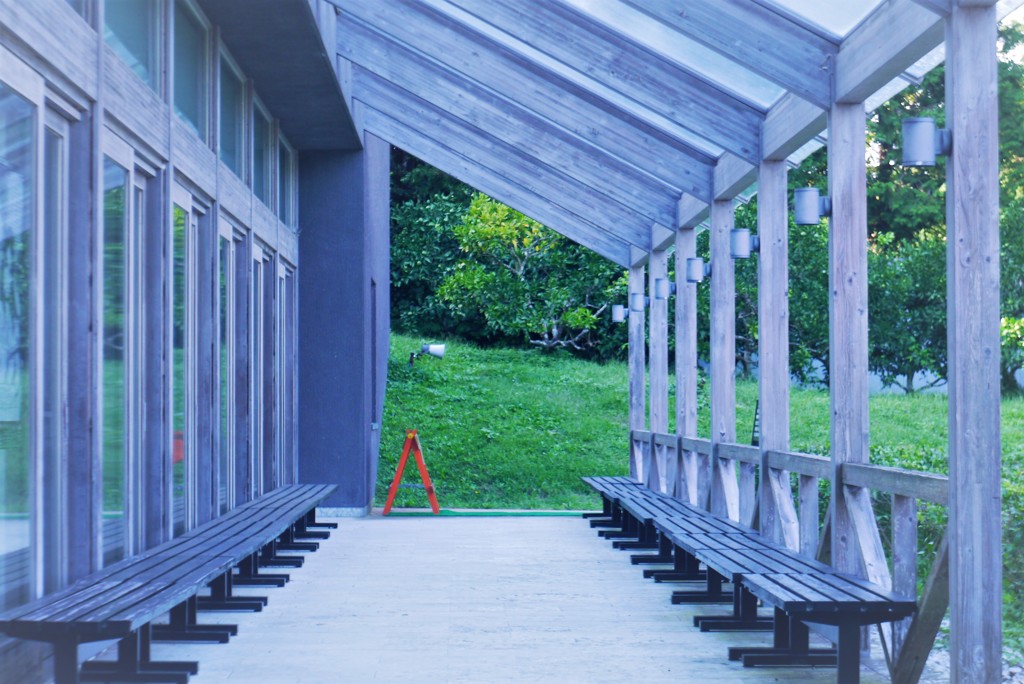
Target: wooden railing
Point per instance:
(794, 481)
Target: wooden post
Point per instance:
(848, 315)
(724, 488)
(658, 269)
(778, 515)
(686, 363)
(972, 219)
(637, 369)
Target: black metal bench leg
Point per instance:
(311, 521)
(712, 594)
(134, 664)
(249, 574)
(663, 556)
(302, 529)
(222, 597)
(647, 538)
(791, 647)
(65, 662)
(287, 542)
(270, 559)
(686, 568)
(184, 627)
(744, 616)
(849, 654)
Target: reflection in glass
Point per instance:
(115, 181)
(190, 68)
(17, 192)
(261, 153)
(131, 31)
(178, 360)
(284, 184)
(231, 118)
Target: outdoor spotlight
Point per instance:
(742, 243)
(663, 288)
(697, 270)
(923, 141)
(618, 313)
(809, 206)
(638, 301)
(435, 350)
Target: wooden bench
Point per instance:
(122, 601)
(801, 591)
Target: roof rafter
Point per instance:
(561, 37)
(479, 176)
(566, 105)
(756, 37)
(511, 123)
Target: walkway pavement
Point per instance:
(472, 600)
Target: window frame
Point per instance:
(206, 88)
(245, 123)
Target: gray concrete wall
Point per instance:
(343, 286)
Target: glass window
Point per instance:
(17, 199)
(232, 118)
(179, 337)
(190, 68)
(131, 30)
(262, 151)
(115, 216)
(285, 184)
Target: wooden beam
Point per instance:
(778, 513)
(925, 486)
(472, 172)
(940, 7)
(410, 72)
(789, 125)
(686, 361)
(904, 561)
(756, 37)
(440, 39)
(724, 487)
(662, 237)
(972, 274)
(637, 366)
(805, 464)
(731, 176)
(691, 211)
(658, 336)
(569, 42)
(848, 315)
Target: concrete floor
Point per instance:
(473, 599)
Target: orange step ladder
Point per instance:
(412, 444)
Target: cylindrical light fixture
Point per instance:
(618, 313)
(922, 141)
(739, 243)
(809, 206)
(694, 270)
(637, 301)
(663, 288)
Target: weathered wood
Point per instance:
(582, 50)
(764, 41)
(925, 486)
(848, 315)
(686, 361)
(809, 518)
(481, 177)
(869, 541)
(972, 221)
(804, 464)
(724, 487)
(773, 349)
(657, 334)
(931, 611)
(696, 444)
(742, 453)
(904, 560)
(637, 368)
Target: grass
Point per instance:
(513, 428)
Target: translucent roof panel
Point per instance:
(837, 17)
(714, 68)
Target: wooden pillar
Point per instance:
(724, 488)
(972, 216)
(686, 365)
(848, 315)
(658, 269)
(637, 369)
(777, 514)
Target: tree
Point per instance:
(527, 282)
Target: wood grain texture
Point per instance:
(972, 220)
(724, 487)
(925, 486)
(657, 268)
(848, 314)
(481, 177)
(686, 361)
(631, 70)
(931, 611)
(637, 369)
(808, 516)
(904, 560)
(565, 104)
